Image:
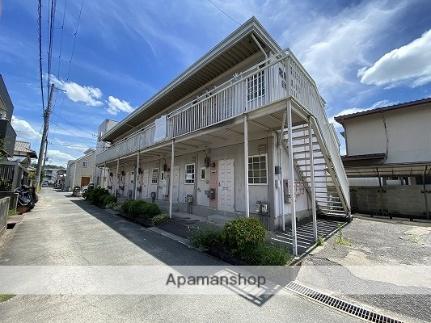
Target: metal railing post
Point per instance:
(313, 184)
(292, 179)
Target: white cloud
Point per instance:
(24, 129)
(58, 157)
(79, 93)
(116, 105)
(331, 46)
(382, 103)
(409, 64)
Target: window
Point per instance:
(255, 86)
(257, 172)
(155, 176)
(84, 164)
(189, 176)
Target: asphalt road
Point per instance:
(67, 231)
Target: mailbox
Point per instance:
(212, 194)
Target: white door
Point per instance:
(176, 184)
(226, 187)
(145, 180)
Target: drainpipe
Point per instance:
(427, 212)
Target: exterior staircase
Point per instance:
(329, 200)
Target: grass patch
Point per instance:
(5, 297)
(340, 239)
(11, 212)
(320, 241)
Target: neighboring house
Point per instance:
(17, 170)
(80, 172)
(51, 174)
(60, 180)
(388, 158)
(215, 139)
(7, 133)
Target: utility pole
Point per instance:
(44, 141)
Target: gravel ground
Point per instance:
(374, 242)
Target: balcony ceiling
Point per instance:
(231, 51)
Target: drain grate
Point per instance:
(10, 225)
(340, 304)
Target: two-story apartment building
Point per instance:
(388, 158)
(242, 130)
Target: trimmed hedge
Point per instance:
(99, 196)
(243, 234)
(135, 208)
(243, 239)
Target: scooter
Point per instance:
(25, 197)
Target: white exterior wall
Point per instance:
(408, 137)
(257, 192)
(73, 179)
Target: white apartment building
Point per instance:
(243, 126)
(81, 172)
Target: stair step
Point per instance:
(332, 209)
(301, 137)
(330, 202)
(308, 158)
(335, 214)
(316, 150)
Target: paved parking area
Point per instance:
(370, 242)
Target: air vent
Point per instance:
(340, 304)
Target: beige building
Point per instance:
(388, 158)
(81, 172)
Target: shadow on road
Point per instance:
(175, 254)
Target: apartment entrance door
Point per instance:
(226, 185)
(85, 181)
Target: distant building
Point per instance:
(51, 174)
(102, 172)
(388, 160)
(81, 172)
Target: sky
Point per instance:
(109, 56)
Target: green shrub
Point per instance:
(160, 219)
(206, 238)
(243, 234)
(140, 208)
(108, 199)
(266, 254)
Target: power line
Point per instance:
(39, 22)
(223, 12)
(75, 34)
(61, 39)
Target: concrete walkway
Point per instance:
(68, 231)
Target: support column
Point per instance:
(292, 178)
(117, 181)
(280, 163)
(247, 196)
(312, 181)
(136, 177)
(171, 177)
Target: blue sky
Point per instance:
(362, 54)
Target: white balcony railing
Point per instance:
(279, 77)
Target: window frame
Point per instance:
(152, 177)
(194, 174)
(252, 93)
(249, 168)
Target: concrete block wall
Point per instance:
(407, 200)
(4, 211)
